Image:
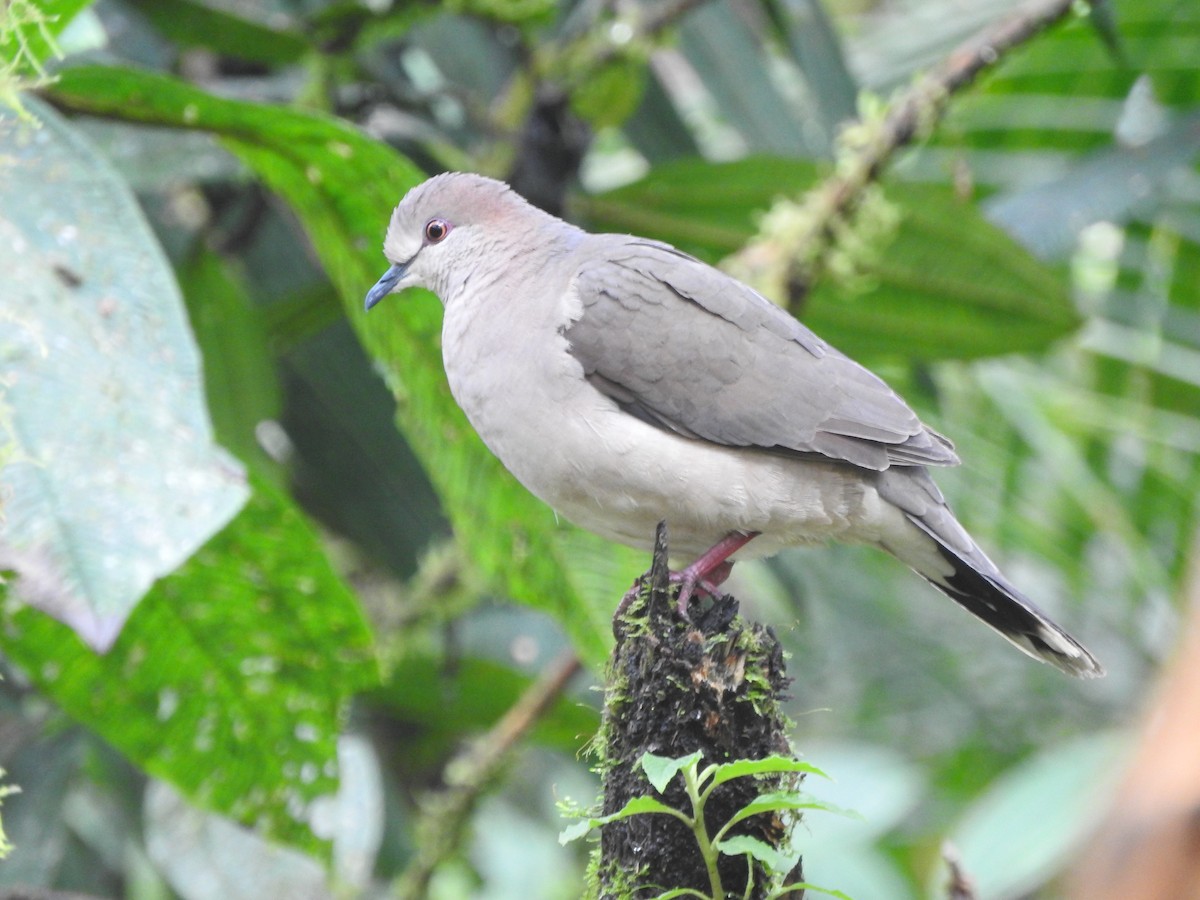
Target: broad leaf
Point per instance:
(233, 676)
(773, 858)
(1110, 185)
(727, 56)
(111, 476)
(661, 769)
(238, 373)
(636, 806)
(768, 765)
(191, 23)
(1024, 827)
(783, 800)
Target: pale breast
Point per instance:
(612, 473)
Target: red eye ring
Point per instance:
(436, 230)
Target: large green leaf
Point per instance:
(1115, 184)
(194, 24)
(805, 29)
(728, 57)
(1026, 825)
(1052, 92)
(351, 467)
(232, 678)
(111, 476)
(343, 187)
(239, 377)
(949, 285)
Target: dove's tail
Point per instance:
(958, 568)
(977, 586)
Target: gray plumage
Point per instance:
(624, 382)
(774, 384)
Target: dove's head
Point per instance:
(448, 227)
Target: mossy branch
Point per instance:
(799, 237)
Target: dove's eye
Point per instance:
(436, 230)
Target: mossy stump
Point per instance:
(713, 683)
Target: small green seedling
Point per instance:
(699, 785)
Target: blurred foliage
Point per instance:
(386, 594)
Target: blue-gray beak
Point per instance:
(384, 285)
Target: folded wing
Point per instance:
(685, 347)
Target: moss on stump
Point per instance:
(712, 683)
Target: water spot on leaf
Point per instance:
(259, 665)
(296, 807)
(323, 816)
(168, 703)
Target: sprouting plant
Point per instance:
(19, 55)
(699, 785)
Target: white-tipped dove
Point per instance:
(624, 382)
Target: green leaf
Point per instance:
(636, 806)
(805, 28)
(949, 285)
(350, 463)
(1071, 70)
(1024, 826)
(239, 377)
(576, 830)
(768, 765)
(343, 186)
(1109, 185)
(111, 475)
(194, 24)
(661, 769)
(796, 886)
(232, 678)
(777, 801)
(772, 857)
(610, 95)
(728, 56)
(526, 13)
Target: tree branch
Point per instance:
(444, 814)
(785, 258)
(662, 15)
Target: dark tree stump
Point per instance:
(712, 684)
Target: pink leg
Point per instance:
(711, 569)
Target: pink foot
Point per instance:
(712, 568)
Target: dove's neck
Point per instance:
(503, 347)
(499, 259)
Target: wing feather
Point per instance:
(687, 348)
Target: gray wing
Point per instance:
(685, 347)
